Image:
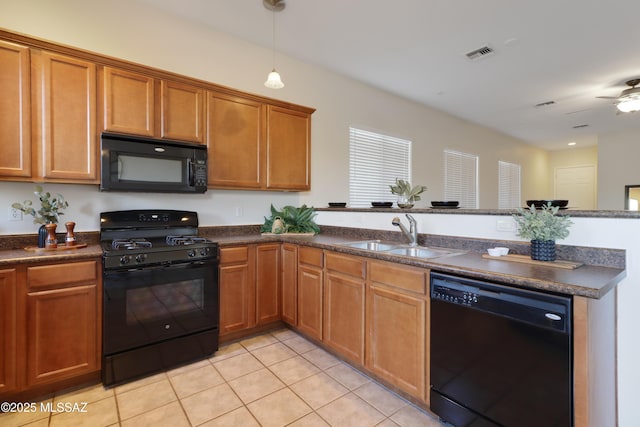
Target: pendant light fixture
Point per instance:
(273, 79)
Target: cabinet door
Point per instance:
(290, 283)
(397, 331)
(268, 283)
(288, 149)
(65, 110)
(62, 329)
(8, 325)
(344, 315)
(128, 102)
(182, 109)
(235, 142)
(237, 289)
(15, 105)
(310, 300)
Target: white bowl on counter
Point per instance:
(498, 251)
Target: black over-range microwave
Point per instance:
(132, 163)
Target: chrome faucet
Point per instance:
(412, 232)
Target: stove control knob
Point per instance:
(125, 259)
(191, 253)
(204, 251)
(141, 258)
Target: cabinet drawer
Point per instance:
(346, 264)
(234, 255)
(47, 276)
(310, 256)
(403, 277)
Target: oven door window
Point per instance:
(151, 304)
(165, 301)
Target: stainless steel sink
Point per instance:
(393, 248)
(422, 252)
(372, 245)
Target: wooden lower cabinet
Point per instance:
(237, 289)
(249, 280)
(289, 284)
(397, 332)
(344, 305)
(8, 330)
(51, 326)
(268, 283)
(310, 291)
(60, 316)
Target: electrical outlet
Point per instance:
(15, 214)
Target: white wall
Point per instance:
(618, 154)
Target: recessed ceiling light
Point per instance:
(571, 144)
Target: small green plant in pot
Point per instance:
(291, 220)
(51, 208)
(407, 194)
(542, 227)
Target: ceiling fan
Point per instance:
(629, 99)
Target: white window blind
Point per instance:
(375, 161)
(508, 185)
(461, 178)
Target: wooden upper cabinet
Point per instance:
(288, 149)
(15, 108)
(235, 141)
(128, 102)
(64, 105)
(182, 112)
(140, 104)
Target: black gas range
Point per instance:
(140, 238)
(160, 279)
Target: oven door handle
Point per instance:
(183, 265)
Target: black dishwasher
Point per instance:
(500, 356)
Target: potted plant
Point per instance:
(542, 227)
(51, 208)
(291, 220)
(407, 195)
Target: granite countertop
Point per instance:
(591, 281)
(21, 256)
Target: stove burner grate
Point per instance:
(184, 240)
(130, 243)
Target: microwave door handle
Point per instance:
(191, 172)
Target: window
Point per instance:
(461, 178)
(375, 161)
(508, 185)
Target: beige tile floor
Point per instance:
(275, 379)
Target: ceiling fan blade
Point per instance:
(607, 97)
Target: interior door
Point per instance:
(578, 185)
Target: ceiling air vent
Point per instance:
(545, 104)
(484, 51)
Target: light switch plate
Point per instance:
(506, 225)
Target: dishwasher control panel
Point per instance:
(455, 296)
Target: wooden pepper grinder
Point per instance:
(51, 242)
(70, 238)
